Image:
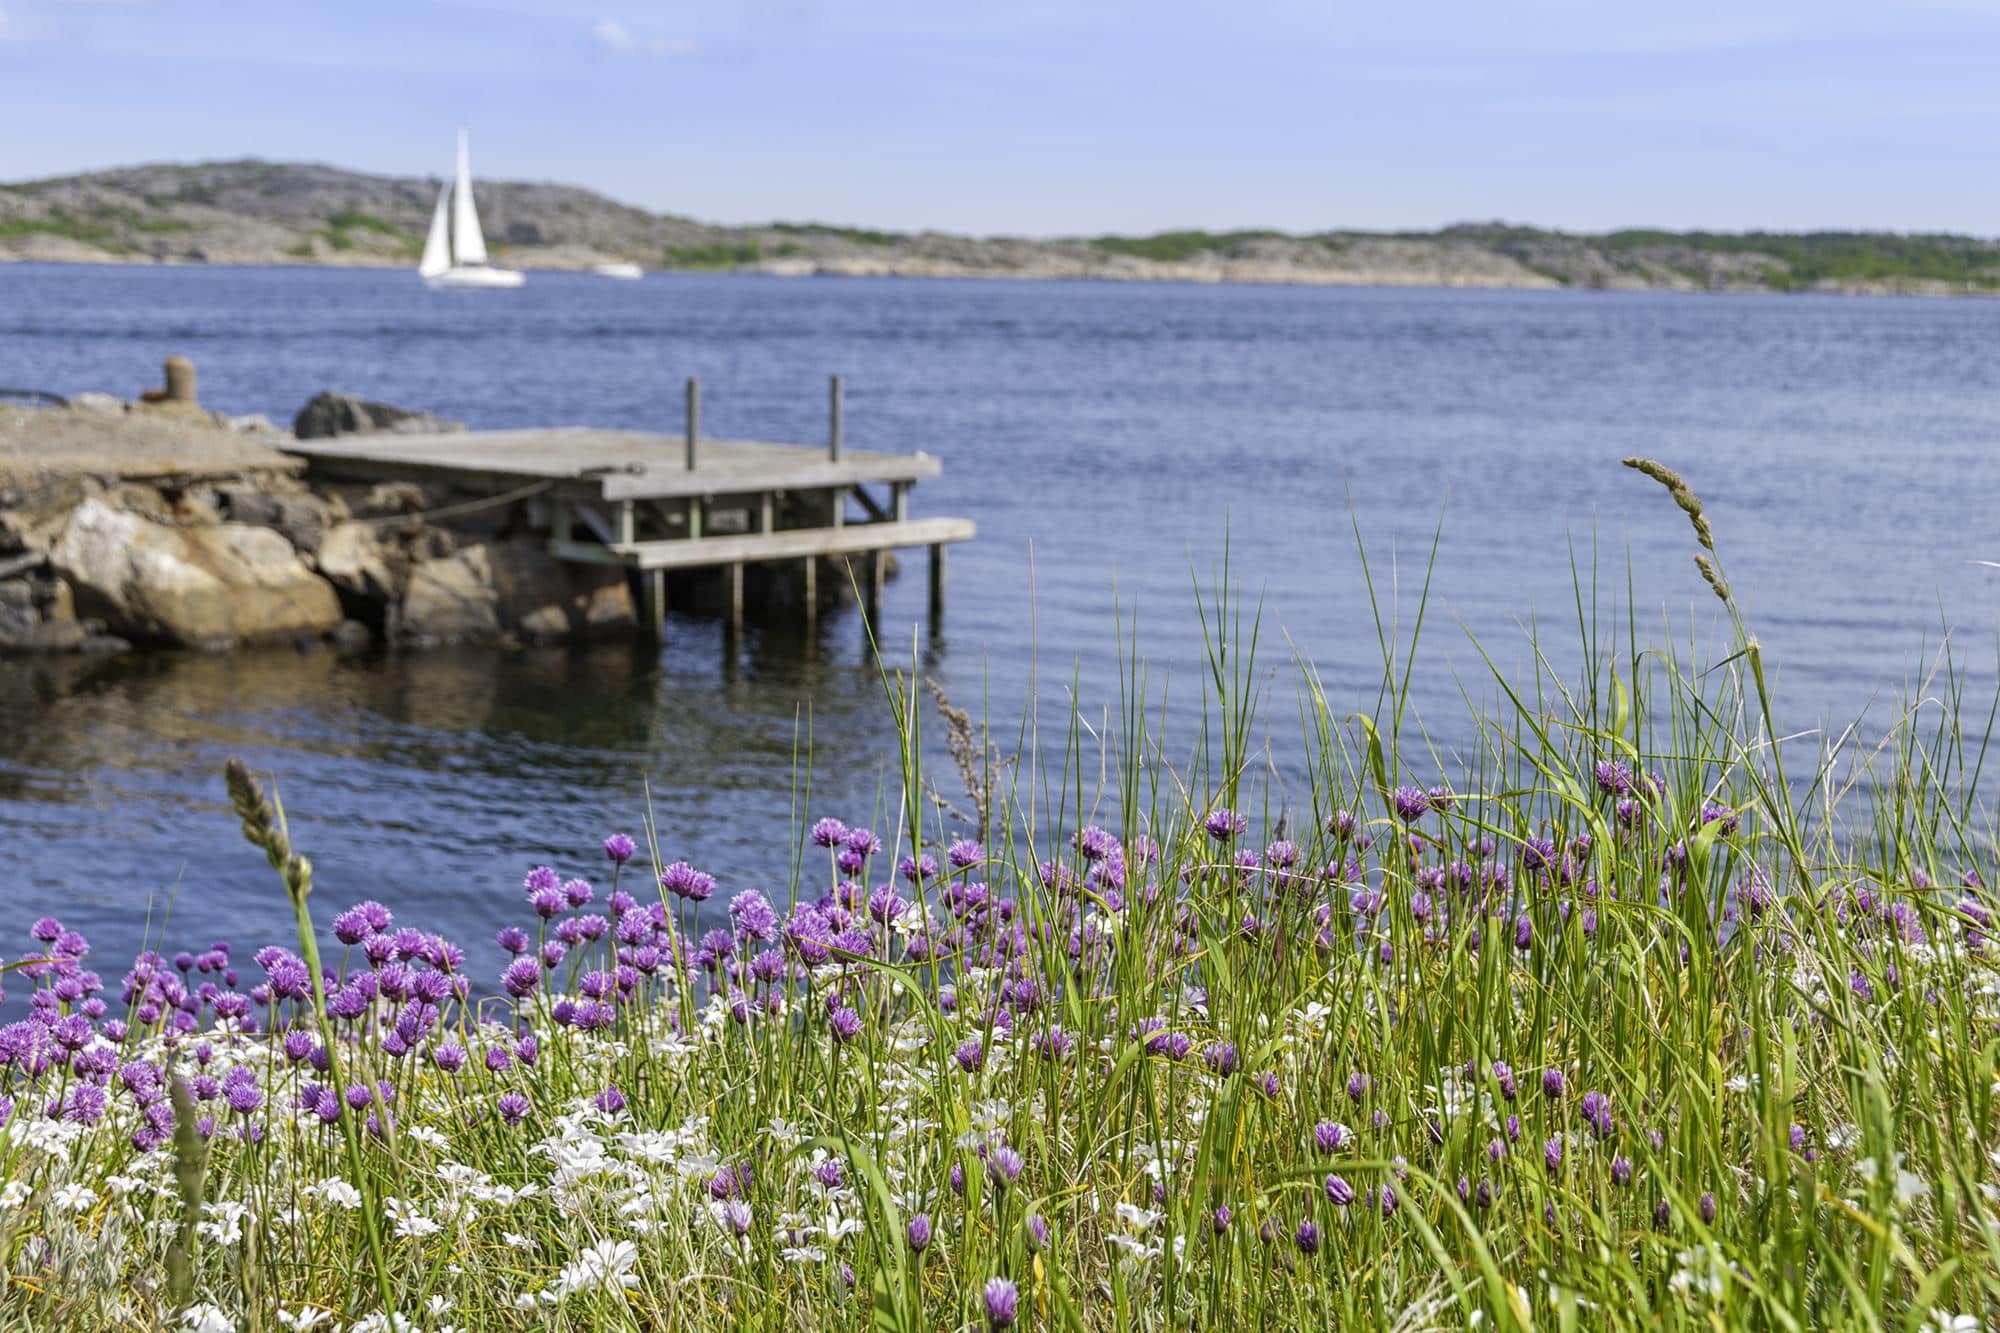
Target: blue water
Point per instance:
(1105, 437)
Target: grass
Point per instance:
(1629, 1010)
(716, 254)
(1172, 247)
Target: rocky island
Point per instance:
(257, 213)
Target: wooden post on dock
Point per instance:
(835, 425)
(877, 568)
(811, 582)
(937, 584)
(693, 418)
(734, 624)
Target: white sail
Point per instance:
(437, 246)
(467, 245)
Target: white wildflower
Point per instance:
(205, 1318)
(304, 1318)
(608, 1263)
(74, 1198)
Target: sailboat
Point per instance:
(455, 251)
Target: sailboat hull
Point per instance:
(467, 276)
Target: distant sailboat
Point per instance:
(455, 251)
(618, 268)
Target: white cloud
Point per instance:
(615, 36)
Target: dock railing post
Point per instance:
(693, 419)
(835, 423)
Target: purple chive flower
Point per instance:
(1357, 1087)
(1330, 1135)
(1307, 1238)
(1004, 1165)
(1596, 1108)
(1552, 1083)
(618, 849)
(829, 833)
(1221, 1058)
(1524, 933)
(513, 1107)
(1222, 825)
(1707, 1206)
(449, 1057)
(514, 940)
(1440, 797)
(1537, 855)
(1613, 777)
(1552, 1153)
(863, 842)
(956, 1178)
(920, 1225)
(1036, 1229)
(521, 978)
(1339, 1192)
(1621, 1171)
(1095, 844)
(753, 916)
(971, 1055)
(1411, 803)
(684, 881)
(845, 1023)
(1503, 1074)
(1219, 1219)
(964, 853)
(1003, 1302)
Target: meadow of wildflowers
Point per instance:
(1628, 1012)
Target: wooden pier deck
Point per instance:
(655, 503)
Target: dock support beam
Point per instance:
(877, 564)
(835, 425)
(653, 599)
(734, 624)
(693, 419)
(937, 584)
(811, 584)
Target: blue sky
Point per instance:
(1034, 117)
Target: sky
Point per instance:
(1044, 117)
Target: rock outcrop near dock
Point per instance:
(158, 524)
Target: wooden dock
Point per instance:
(654, 503)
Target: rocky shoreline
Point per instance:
(157, 524)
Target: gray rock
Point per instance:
(204, 587)
(452, 599)
(104, 404)
(489, 590)
(330, 414)
(351, 636)
(352, 557)
(50, 639)
(301, 518)
(18, 616)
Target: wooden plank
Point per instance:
(791, 544)
(614, 464)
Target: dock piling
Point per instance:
(693, 419)
(734, 624)
(937, 584)
(836, 394)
